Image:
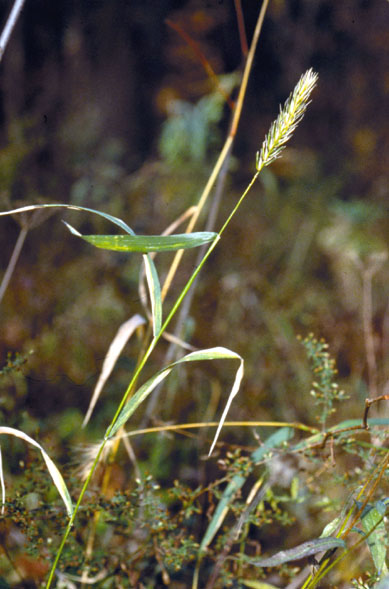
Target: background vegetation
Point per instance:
(108, 105)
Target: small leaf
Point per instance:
(301, 551)
(155, 293)
(53, 470)
(147, 243)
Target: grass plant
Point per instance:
(259, 491)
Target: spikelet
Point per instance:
(290, 116)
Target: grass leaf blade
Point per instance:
(154, 292)
(218, 353)
(122, 336)
(148, 243)
(273, 441)
(111, 218)
(53, 470)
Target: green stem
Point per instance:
(138, 371)
(73, 516)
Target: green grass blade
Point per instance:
(53, 470)
(146, 243)
(218, 353)
(221, 510)
(155, 293)
(237, 482)
(114, 220)
(139, 243)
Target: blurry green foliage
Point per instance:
(191, 132)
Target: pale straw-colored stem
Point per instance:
(10, 25)
(226, 148)
(12, 263)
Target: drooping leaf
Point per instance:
(111, 218)
(139, 243)
(302, 551)
(122, 336)
(53, 470)
(218, 353)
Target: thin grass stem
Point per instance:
(226, 148)
(13, 260)
(10, 25)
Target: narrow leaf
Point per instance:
(53, 470)
(137, 399)
(114, 220)
(122, 336)
(274, 441)
(147, 243)
(141, 394)
(302, 551)
(237, 482)
(221, 510)
(233, 393)
(155, 293)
